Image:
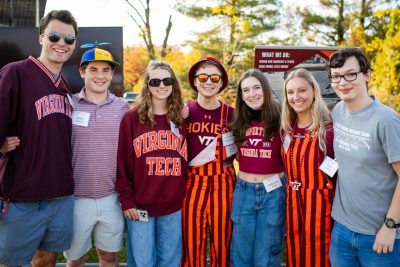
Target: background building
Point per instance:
(21, 13)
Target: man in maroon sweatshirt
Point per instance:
(36, 183)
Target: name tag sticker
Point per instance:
(174, 129)
(71, 102)
(206, 155)
(228, 139)
(272, 183)
(286, 143)
(80, 118)
(231, 150)
(329, 166)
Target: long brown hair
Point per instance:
(174, 101)
(319, 112)
(270, 113)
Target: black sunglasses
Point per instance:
(54, 37)
(166, 81)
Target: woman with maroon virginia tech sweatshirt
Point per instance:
(152, 163)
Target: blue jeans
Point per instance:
(258, 225)
(28, 226)
(351, 249)
(155, 243)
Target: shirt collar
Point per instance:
(46, 71)
(82, 96)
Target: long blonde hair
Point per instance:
(320, 116)
(174, 101)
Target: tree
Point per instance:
(338, 22)
(141, 17)
(135, 62)
(370, 25)
(326, 25)
(385, 53)
(237, 26)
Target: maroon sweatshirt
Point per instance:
(151, 165)
(35, 107)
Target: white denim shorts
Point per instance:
(101, 218)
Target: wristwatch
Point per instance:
(391, 224)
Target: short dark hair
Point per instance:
(84, 65)
(205, 64)
(338, 59)
(62, 15)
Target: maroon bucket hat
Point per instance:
(193, 69)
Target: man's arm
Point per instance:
(185, 111)
(8, 102)
(385, 237)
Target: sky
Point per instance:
(95, 13)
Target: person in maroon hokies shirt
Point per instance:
(36, 183)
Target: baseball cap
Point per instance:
(195, 66)
(97, 54)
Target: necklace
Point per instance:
(307, 138)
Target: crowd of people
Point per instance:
(83, 169)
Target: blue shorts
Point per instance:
(28, 226)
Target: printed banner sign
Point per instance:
(284, 58)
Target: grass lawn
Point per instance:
(92, 256)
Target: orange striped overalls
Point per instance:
(207, 207)
(309, 199)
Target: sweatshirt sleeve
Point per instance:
(8, 101)
(125, 158)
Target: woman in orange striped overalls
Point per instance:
(211, 176)
(308, 139)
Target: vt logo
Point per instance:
(206, 140)
(254, 142)
(295, 185)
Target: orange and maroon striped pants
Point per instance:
(309, 224)
(309, 199)
(206, 213)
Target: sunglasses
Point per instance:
(166, 81)
(215, 78)
(54, 37)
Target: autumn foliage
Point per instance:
(239, 25)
